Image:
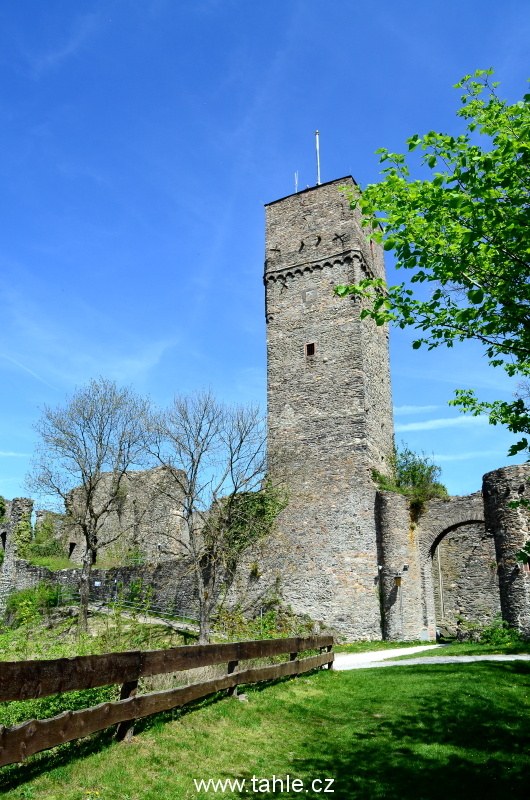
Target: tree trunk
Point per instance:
(84, 587)
(204, 621)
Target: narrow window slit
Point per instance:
(310, 349)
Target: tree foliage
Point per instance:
(413, 475)
(463, 234)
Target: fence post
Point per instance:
(232, 667)
(327, 649)
(124, 731)
(293, 657)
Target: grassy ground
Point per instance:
(472, 650)
(416, 732)
(368, 647)
(107, 633)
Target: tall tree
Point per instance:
(215, 459)
(100, 429)
(464, 234)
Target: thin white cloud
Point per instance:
(466, 456)
(28, 370)
(413, 409)
(3, 454)
(84, 27)
(434, 424)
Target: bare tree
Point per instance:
(216, 460)
(99, 430)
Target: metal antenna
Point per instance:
(296, 181)
(318, 158)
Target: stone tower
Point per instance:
(329, 405)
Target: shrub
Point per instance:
(413, 475)
(25, 605)
(499, 632)
(2, 508)
(45, 549)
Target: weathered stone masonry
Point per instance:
(360, 559)
(329, 411)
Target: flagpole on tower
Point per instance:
(318, 157)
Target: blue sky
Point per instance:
(138, 143)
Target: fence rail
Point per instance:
(20, 680)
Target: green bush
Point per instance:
(2, 508)
(45, 549)
(274, 624)
(25, 605)
(499, 632)
(413, 475)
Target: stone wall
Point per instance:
(145, 520)
(400, 571)
(172, 582)
(19, 509)
(510, 528)
(464, 567)
(329, 414)
(446, 539)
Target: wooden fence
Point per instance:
(22, 680)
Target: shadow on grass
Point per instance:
(413, 733)
(55, 762)
(461, 746)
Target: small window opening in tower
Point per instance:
(72, 548)
(310, 349)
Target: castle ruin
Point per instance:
(353, 557)
(360, 558)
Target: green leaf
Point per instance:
(475, 296)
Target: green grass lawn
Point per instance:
(425, 732)
(464, 649)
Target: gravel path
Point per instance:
(353, 660)
(341, 664)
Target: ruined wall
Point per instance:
(171, 581)
(443, 544)
(510, 528)
(19, 509)
(400, 571)
(329, 414)
(145, 519)
(464, 568)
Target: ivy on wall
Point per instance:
(23, 535)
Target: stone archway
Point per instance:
(464, 576)
(458, 566)
(412, 594)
